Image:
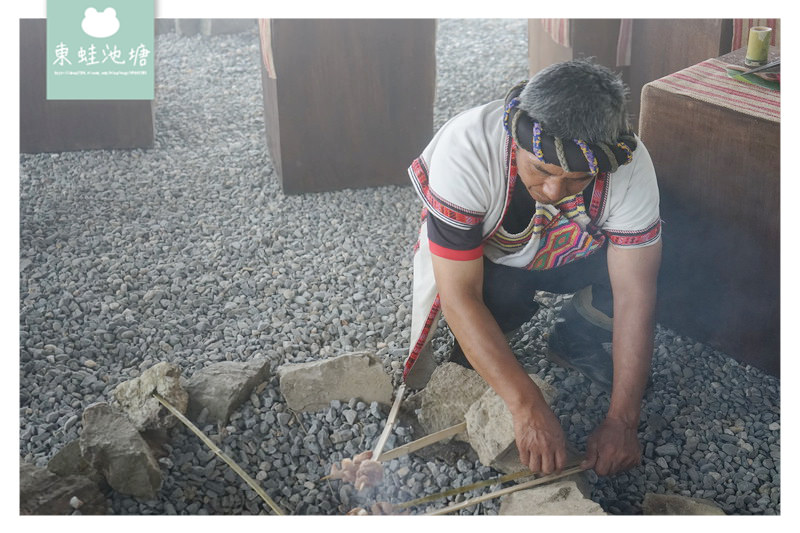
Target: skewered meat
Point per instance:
(361, 471)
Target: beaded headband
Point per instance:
(573, 155)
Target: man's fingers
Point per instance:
(535, 463)
(603, 465)
(524, 455)
(633, 462)
(591, 456)
(561, 459)
(547, 463)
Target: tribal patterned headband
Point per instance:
(573, 155)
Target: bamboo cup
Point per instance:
(758, 46)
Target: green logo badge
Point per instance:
(100, 49)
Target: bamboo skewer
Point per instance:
(439, 436)
(508, 490)
(208, 442)
(387, 429)
(420, 443)
(465, 488)
(427, 440)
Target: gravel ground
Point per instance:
(190, 253)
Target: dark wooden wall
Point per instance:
(352, 101)
(65, 125)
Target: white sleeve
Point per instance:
(634, 219)
(450, 177)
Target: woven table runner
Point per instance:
(709, 82)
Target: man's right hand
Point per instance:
(539, 436)
(540, 441)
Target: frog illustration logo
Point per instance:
(100, 25)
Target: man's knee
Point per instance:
(594, 304)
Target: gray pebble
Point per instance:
(730, 449)
(350, 415)
(669, 450)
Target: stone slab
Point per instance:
(491, 428)
(112, 445)
(42, 492)
(448, 396)
(312, 386)
(222, 387)
(135, 397)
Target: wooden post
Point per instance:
(350, 102)
(66, 125)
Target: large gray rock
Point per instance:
(135, 397)
(491, 428)
(563, 497)
(42, 492)
(69, 461)
(222, 387)
(312, 386)
(448, 395)
(447, 450)
(675, 504)
(113, 446)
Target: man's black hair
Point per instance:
(577, 99)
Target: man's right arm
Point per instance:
(539, 436)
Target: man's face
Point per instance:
(547, 184)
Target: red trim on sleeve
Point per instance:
(633, 238)
(456, 255)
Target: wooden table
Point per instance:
(715, 144)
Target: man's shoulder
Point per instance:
(484, 116)
(473, 128)
(640, 166)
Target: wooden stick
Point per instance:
(465, 488)
(387, 429)
(208, 442)
(508, 490)
(427, 440)
(418, 444)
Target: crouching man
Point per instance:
(546, 190)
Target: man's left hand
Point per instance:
(612, 447)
